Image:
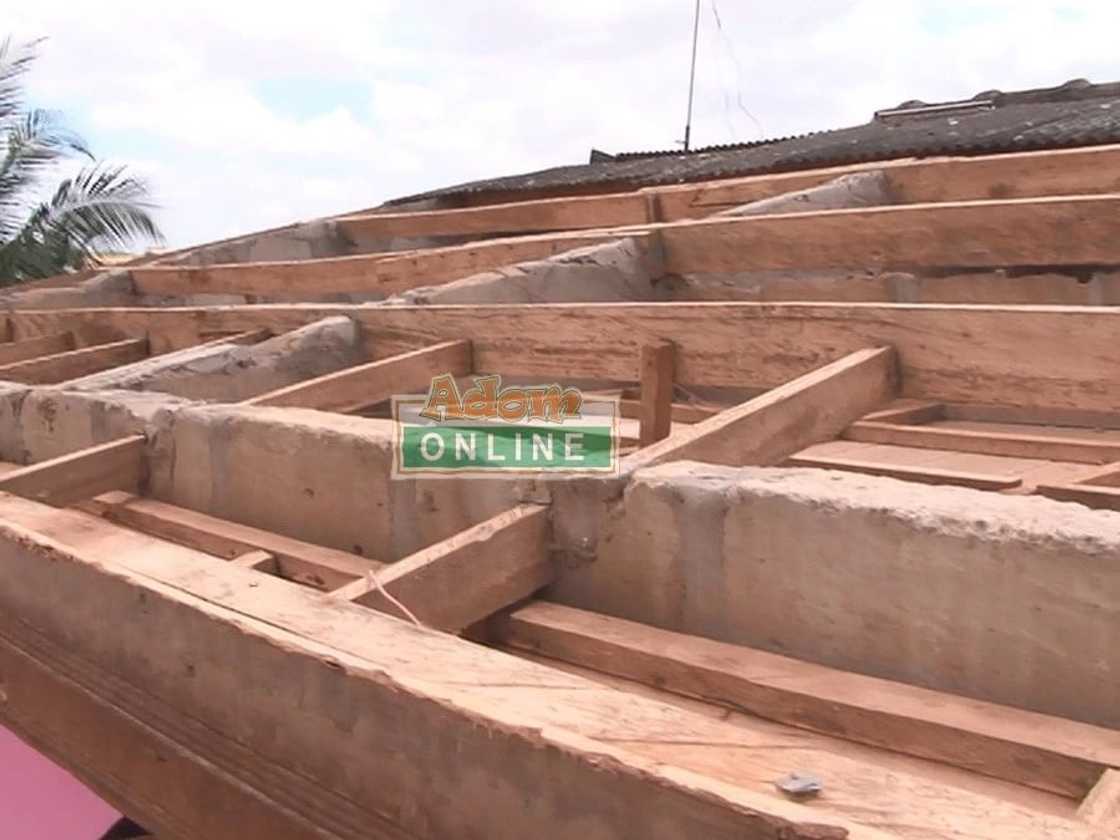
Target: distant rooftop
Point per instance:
(1077, 113)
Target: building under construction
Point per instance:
(858, 575)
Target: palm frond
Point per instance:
(100, 210)
(15, 60)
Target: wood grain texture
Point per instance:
(946, 353)
(71, 364)
(118, 465)
(1039, 751)
(468, 577)
(31, 348)
(922, 475)
(364, 385)
(656, 392)
(770, 427)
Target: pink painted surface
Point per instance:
(41, 801)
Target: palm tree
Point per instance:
(99, 210)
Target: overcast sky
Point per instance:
(247, 114)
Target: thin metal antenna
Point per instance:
(692, 78)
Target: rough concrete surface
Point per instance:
(231, 373)
(616, 271)
(1011, 599)
(312, 475)
(109, 288)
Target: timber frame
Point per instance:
(280, 674)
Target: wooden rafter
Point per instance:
(363, 385)
(13, 352)
(71, 364)
(467, 577)
(770, 427)
(923, 475)
(118, 465)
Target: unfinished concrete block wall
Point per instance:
(945, 587)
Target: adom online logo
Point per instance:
(487, 428)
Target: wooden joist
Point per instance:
(31, 348)
(1072, 364)
(923, 475)
(380, 273)
(465, 578)
(1102, 806)
(118, 465)
(302, 562)
(1090, 495)
(1038, 751)
(768, 428)
(1041, 447)
(656, 389)
(357, 387)
(71, 364)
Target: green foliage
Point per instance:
(100, 210)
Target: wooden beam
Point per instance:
(261, 561)
(302, 562)
(387, 274)
(118, 465)
(465, 578)
(215, 659)
(59, 367)
(923, 475)
(601, 211)
(913, 412)
(31, 348)
(364, 385)
(1039, 751)
(656, 392)
(768, 428)
(1102, 806)
(1090, 495)
(1072, 364)
(1041, 447)
(972, 234)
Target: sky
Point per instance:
(245, 114)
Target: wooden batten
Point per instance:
(13, 352)
(1041, 447)
(364, 385)
(465, 578)
(770, 427)
(922, 475)
(302, 562)
(118, 465)
(71, 364)
(1090, 495)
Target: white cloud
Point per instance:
(448, 92)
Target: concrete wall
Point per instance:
(1006, 598)
(313, 475)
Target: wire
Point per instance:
(730, 47)
(692, 78)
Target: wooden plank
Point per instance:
(1042, 447)
(31, 348)
(678, 412)
(387, 274)
(1102, 806)
(766, 429)
(59, 367)
(924, 475)
(364, 385)
(1106, 476)
(261, 561)
(1039, 751)
(1072, 361)
(1090, 495)
(312, 565)
(584, 212)
(906, 237)
(477, 743)
(118, 465)
(908, 412)
(1082, 171)
(465, 578)
(656, 392)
